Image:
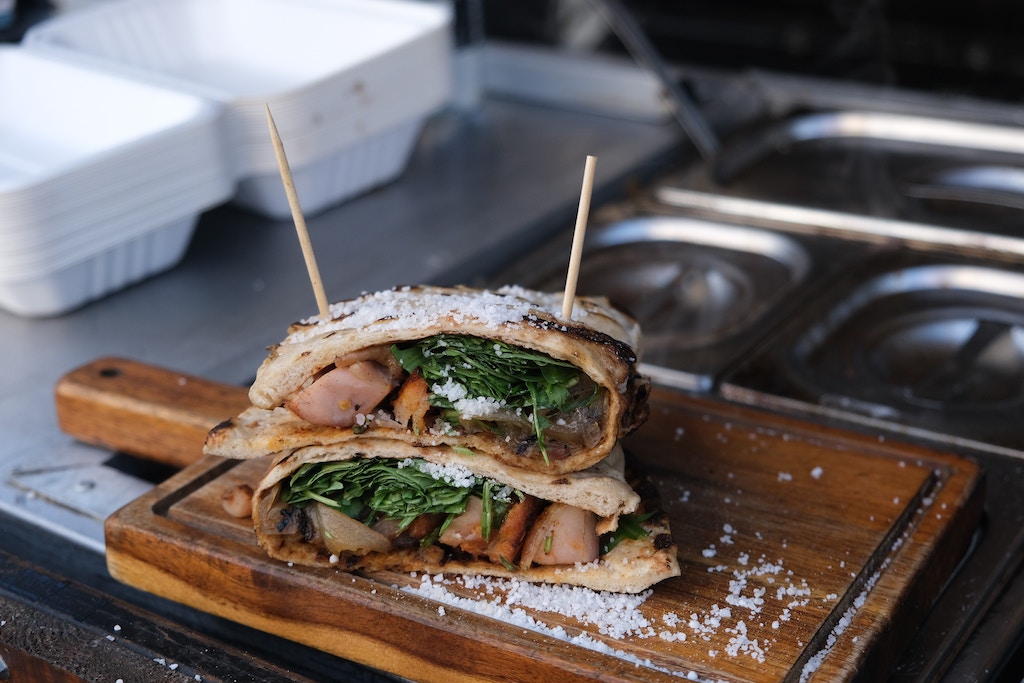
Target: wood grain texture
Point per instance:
(56, 630)
(807, 553)
(142, 410)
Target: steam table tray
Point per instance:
(807, 553)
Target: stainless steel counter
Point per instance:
(480, 187)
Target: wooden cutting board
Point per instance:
(807, 553)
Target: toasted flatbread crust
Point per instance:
(631, 567)
(600, 340)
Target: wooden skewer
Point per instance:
(300, 221)
(577, 238)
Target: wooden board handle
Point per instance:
(142, 410)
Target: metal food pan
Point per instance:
(931, 346)
(702, 290)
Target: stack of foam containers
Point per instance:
(122, 122)
(348, 82)
(101, 180)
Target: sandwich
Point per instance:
(498, 373)
(382, 504)
(456, 430)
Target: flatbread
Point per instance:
(600, 340)
(630, 567)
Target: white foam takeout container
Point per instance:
(102, 179)
(349, 82)
(123, 121)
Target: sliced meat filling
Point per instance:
(357, 387)
(531, 532)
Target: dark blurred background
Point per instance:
(970, 48)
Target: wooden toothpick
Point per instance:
(300, 221)
(577, 238)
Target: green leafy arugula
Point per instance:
(519, 378)
(630, 526)
(368, 489)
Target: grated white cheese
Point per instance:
(456, 475)
(468, 406)
(417, 308)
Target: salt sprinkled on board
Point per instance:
(616, 615)
(846, 620)
(552, 599)
(740, 643)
